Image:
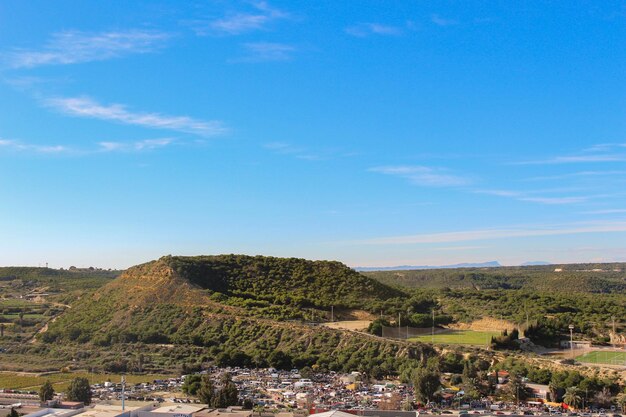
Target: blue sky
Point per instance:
(374, 133)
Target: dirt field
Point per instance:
(349, 324)
(486, 324)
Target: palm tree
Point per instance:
(572, 397)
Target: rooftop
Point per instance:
(180, 408)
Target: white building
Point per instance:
(54, 412)
(174, 410)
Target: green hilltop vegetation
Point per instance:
(264, 281)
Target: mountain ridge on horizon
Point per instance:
(488, 264)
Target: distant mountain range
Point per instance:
(536, 263)
(490, 264)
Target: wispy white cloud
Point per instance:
(578, 159)
(459, 248)
(555, 200)
(442, 21)
(529, 197)
(89, 108)
(72, 47)
(605, 211)
(362, 30)
(106, 146)
(284, 148)
(489, 234)
(604, 147)
(580, 174)
(238, 23)
(15, 145)
(423, 176)
(142, 145)
(266, 51)
(604, 152)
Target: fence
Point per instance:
(405, 332)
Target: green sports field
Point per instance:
(458, 337)
(611, 358)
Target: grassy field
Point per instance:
(60, 381)
(611, 358)
(458, 337)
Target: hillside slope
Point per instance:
(175, 300)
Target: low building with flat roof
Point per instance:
(111, 410)
(54, 412)
(223, 412)
(174, 410)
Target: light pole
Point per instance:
(123, 389)
(433, 329)
(571, 339)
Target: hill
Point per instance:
(235, 309)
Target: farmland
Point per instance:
(60, 380)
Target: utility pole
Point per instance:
(527, 323)
(614, 334)
(332, 313)
(571, 339)
(123, 388)
(432, 336)
(398, 321)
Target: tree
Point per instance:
(426, 380)
(228, 394)
(376, 326)
(572, 397)
(206, 391)
(46, 392)
(279, 360)
(191, 384)
(516, 388)
(603, 398)
(468, 371)
(79, 390)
